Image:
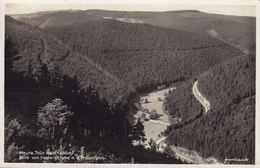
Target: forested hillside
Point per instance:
(217, 26)
(50, 112)
(115, 57)
(143, 55)
(184, 108)
(37, 48)
(228, 129)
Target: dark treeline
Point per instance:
(24, 96)
(185, 108)
(228, 129)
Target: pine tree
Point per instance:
(52, 116)
(138, 132)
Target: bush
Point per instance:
(143, 116)
(154, 115)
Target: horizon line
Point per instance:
(231, 10)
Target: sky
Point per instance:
(227, 7)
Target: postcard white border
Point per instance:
(185, 2)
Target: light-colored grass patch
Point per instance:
(153, 129)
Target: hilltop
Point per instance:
(216, 26)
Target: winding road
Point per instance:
(178, 155)
(200, 97)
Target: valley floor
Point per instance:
(153, 128)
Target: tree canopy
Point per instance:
(52, 116)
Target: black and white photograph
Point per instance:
(99, 83)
